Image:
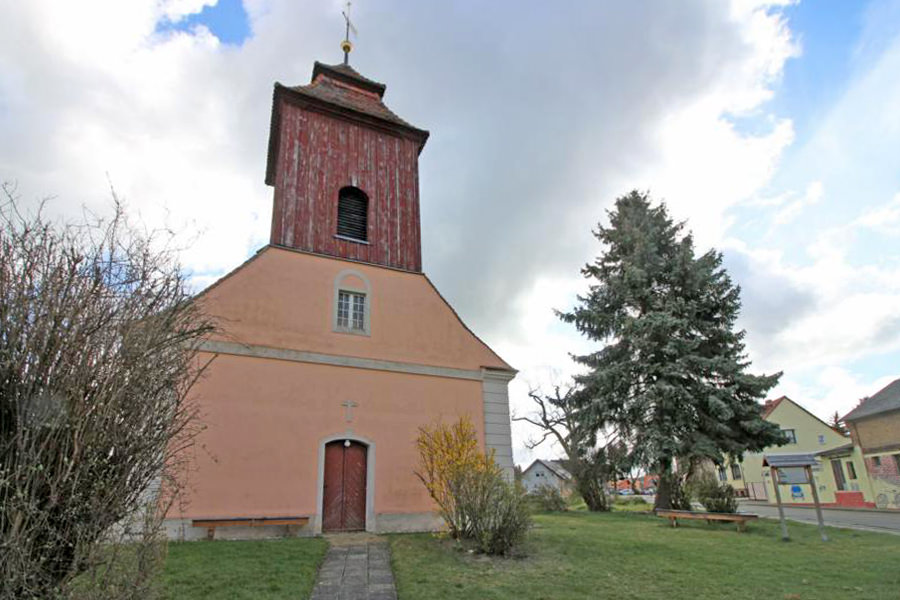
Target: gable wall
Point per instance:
(285, 299)
(878, 437)
(808, 429)
(878, 431)
(538, 475)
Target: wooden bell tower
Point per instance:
(345, 171)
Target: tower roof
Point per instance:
(349, 75)
(339, 90)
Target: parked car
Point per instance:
(626, 493)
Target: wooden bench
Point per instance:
(739, 518)
(292, 523)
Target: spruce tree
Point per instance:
(671, 376)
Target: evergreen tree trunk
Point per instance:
(670, 494)
(664, 491)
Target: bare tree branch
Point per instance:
(98, 349)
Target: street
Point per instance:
(887, 522)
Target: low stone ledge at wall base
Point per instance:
(181, 530)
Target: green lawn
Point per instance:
(639, 556)
(263, 569)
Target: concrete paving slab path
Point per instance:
(356, 569)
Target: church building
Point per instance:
(334, 347)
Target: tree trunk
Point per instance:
(589, 485)
(664, 492)
(594, 496)
(670, 493)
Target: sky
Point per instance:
(770, 127)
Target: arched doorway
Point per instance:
(344, 486)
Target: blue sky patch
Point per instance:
(227, 20)
(827, 31)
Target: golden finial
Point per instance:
(346, 46)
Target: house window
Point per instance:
(353, 215)
(876, 461)
(351, 311)
(735, 471)
(791, 435)
(821, 440)
(851, 470)
(723, 475)
(897, 462)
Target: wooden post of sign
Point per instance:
(815, 493)
(784, 531)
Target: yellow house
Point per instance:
(875, 428)
(840, 474)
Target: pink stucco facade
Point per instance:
(280, 377)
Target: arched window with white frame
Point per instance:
(352, 303)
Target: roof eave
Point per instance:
(866, 415)
(282, 92)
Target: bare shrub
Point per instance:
(717, 498)
(629, 500)
(98, 348)
(547, 498)
(500, 518)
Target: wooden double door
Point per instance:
(344, 496)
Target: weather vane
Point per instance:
(346, 46)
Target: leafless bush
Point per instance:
(547, 498)
(98, 348)
(496, 511)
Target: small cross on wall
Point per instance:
(349, 405)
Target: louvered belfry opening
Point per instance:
(353, 214)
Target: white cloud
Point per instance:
(534, 132)
(795, 206)
(176, 10)
(834, 389)
(885, 219)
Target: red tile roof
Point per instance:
(771, 405)
(343, 86)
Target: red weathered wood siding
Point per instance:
(318, 155)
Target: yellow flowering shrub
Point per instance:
(468, 486)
